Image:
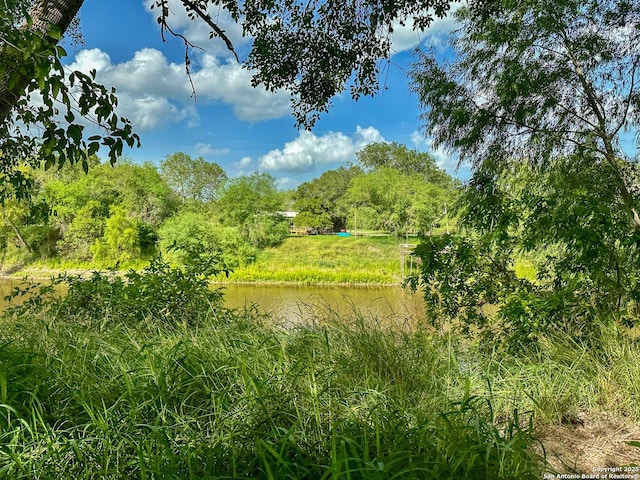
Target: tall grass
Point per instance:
(563, 377)
(326, 259)
(237, 397)
(194, 390)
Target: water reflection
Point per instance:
(292, 304)
(302, 304)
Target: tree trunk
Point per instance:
(44, 14)
(20, 237)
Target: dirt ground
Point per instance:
(591, 441)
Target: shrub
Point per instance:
(266, 230)
(159, 293)
(195, 230)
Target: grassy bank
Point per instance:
(326, 259)
(307, 260)
(118, 380)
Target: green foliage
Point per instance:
(386, 199)
(235, 396)
(540, 87)
(81, 232)
(407, 162)
(401, 192)
(460, 277)
(266, 230)
(193, 179)
(570, 218)
(318, 201)
(538, 81)
(92, 211)
(539, 114)
(30, 65)
(249, 195)
(160, 293)
(348, 40)
(120, 242)
(26, 223)
(190, 230)
(118, 215)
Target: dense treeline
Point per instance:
(125, 214)
(391, 188)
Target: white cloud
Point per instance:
(243, 166)
(245, 162)
(207, 149)
(364, 136)
(153, 91)
(418, 139)
(148, 112)
(231, 84)
(405, 37)
(308, 150)
(198, 32)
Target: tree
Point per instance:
(141, 191)
(195, 231)
(26, 221)
(266, 230)
(537, 81)
(386, 199)
(193, 179)
(408, 162)
(318, 201)
(83, 203)
(30, 66)
(249, 195)
(537, 99)
(314, 49)
(120, 241)
(47, 21)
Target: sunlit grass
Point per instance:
(327, 259)
(563, 377)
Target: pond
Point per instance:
(301, 304)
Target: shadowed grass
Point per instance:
(119, 380)
(234, 398)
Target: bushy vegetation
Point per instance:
(121, 216)
(118, 379)
(173, 391)
(391, 188)
(125, 214)
(148, 375)
(551, 181)
(577, 237)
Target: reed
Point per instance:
(143, 393)
(237, 396)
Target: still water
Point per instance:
(299, 304)
(302, 304)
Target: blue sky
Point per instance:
(241, 128)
